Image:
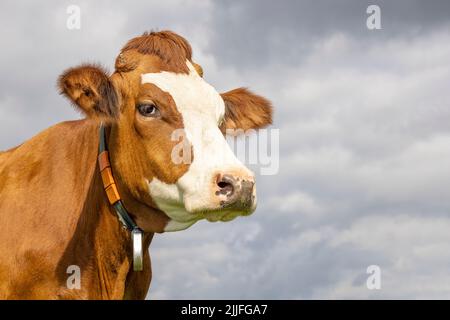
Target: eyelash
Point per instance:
(143, 109)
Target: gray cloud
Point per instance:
(252, 33)
(365, 141)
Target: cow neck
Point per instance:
(112, 193)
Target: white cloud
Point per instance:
(415, 250)
(365, 143)
(365, 147)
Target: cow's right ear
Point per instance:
(90, 89)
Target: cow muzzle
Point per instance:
(236, 192)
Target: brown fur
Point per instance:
(88, 86)
(171, 48)
(245, 110)
(54, 212)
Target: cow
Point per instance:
(85, 197)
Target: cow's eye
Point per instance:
(148, 110)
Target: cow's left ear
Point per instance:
(90, 89)
(245, 110)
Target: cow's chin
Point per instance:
(181, 219)
(225, 215)
(210, 215)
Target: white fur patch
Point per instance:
(202, 108)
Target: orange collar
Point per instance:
(115, 201)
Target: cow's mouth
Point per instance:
(220, 216)
(185, 209)
(229, 210)
(227, 214)
(211, 215)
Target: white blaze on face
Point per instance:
(202, 108)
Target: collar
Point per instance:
(110, 186)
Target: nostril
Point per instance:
(223, 184)
(225, 187)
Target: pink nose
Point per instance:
(235, 191)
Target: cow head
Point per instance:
(167, 127)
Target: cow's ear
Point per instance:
(90, 89)
(245, 110)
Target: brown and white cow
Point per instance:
(54, 211)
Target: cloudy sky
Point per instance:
(364, 120)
